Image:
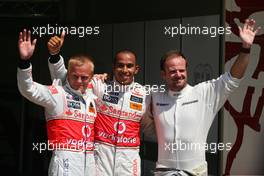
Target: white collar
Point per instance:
(123, 88)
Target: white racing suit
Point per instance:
(117, 126)
(70, 120)
(182, 122)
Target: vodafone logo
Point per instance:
(120, 127)
(86, 131)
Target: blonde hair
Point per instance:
(79, 60)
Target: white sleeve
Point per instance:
(217, 91)
(34, 91)
(58, 70)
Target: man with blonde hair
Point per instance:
(69, 109)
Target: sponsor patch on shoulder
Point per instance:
(136, 106)
(110, 99)
(74, 104)
(189, 102)
(162, 104)
(53, 89)
(136, 99)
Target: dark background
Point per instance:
(22, 123)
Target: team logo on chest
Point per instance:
(136, 99)
(74, 104)
(110, 99)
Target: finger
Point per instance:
(20, 40)
(52, 48)
(34, 42)
(24, 35)
(245, 24)
(53, 43)
(49, 45)
(253, 24)
(250, 28)
(257, 30)
(29, 36)
(249, 24)
(57, 40)
(54, 38)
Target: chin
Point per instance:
(127, 82)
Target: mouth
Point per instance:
(177, 80)
(125, 77)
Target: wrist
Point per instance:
(245, 45)
(24, 64)
(54, 52)
(245, 50)
(54, 58)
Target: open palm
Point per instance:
(25, 47)
(248, 32)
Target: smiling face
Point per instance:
(80, 72)
(125, 67)
(175, 72)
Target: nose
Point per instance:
(125, 69)
(79, 79)
(177, 73)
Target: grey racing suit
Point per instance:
(117, 127)
(183, 120)
(70, 118)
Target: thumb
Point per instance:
(239, 29)
(62, 37)
(34, 42)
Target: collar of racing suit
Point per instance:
(76, 92)
(179, 94)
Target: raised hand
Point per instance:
(25, 47)
(55, 43)
(248, 32)
(103, 77)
